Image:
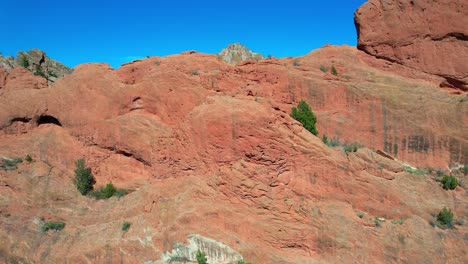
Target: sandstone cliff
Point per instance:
(214, 161)
(431, 36)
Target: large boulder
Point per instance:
(430, 36)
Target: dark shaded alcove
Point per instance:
(47, 119)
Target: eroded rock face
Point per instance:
(237, 52)
(431, 36)
(217, 154)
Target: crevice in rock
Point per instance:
(47, 119)
(456, 35)
(128, 155)
(453, 83)
(20, 120)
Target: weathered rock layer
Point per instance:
(431, 36)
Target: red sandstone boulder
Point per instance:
(20, 78)
(427, 35)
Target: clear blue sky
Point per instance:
(115, 31)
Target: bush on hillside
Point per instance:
(334, 71)
(126, 226)
(449, 182)
(445, 217)
(107, 192)
(57, 226)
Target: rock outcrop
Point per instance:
(237, 52)
(431, 36)
(217, 154)
(37, 63)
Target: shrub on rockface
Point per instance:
(57, 226)
(24, 62)
(449, 182)
(333, 70)
(84, 179)
(305, 116)
(107, 192)
(201, 257)
(445, 217)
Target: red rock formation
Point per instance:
(430, 36)
(20, 78)
(217, 154)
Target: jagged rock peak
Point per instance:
(236, 52)
(37, 62)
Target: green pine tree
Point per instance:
(305, 116)
(84, 179)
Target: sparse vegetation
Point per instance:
(195, 72)
(28, 158)
(84, 179)
(296, 63)
(243, 262)
(201, 257)
(325, 139)
(414, 170)
(126, 226)
(157, 63)
(333, 70)
(52, 74)
(398, 221)
(323, 68)
(465, 169)
(353, 147)
(360, 215)
(107, 192)
(305, 116)
(335, 142)
(377, 222)
(57, 226)
(445, 218)
(24, 62)
(449, 182)
(38, 72)
(10, 164)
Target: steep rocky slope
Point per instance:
(431, 36)
(42, 70)
(215, 162)
(236, 52)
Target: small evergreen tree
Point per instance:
(305, 116)
(126, 226)
(201, 257)
(84, 179)
(333, 70)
